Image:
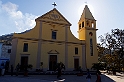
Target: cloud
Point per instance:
(13, 20)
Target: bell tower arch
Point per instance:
(87, 31)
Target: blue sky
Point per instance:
(19, 15)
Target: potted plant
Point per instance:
(26, 68)
(41, 64)
(80, 71)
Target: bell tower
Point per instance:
(87, 31)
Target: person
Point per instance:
(17, 69)
(59, 69)
(88, 75)
(6, 66)
(98, 77)
(11, 70)
(98, 72)
(2, 68)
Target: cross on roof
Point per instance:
(54, 4)
(86, 3)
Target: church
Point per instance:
(51, 41)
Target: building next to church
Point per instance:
(51, 41)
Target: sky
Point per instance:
(19, 15)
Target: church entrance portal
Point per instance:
(24, 61)
(52, 62)
(76, 64)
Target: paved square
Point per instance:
(67, 78)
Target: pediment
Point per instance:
(54, 16)
(53, 52)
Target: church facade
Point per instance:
(51, 42)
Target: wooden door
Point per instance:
(76, 64)
(24, 61)
(52, 62)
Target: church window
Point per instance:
(91, 47)
(82, 24)
(92, 25)
(79, 26)
(9, 50)
(87, 23)
(25, 47)
(90, 33)
(76, 50)
(53, 34)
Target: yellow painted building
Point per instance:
(51, 42)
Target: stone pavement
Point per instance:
(119, 77)
(66, 78)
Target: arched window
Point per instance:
(82, 24)
(79, 26)
(90, 33)
(91, 47)
(92, 25)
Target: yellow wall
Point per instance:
(48, 46)
(65, 39)
(32, 51)
(81, 34)
(84, 35)
(33, 33)
(72, 55)
(47, 30)
(91, 59)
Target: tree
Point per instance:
(111, 48)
